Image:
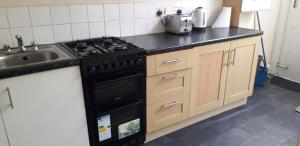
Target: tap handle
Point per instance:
(34, 44)
(6, 47)
(20, 40)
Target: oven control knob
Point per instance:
(92, 69)
(131, 62)
(140, 61)
(124, 63)
(105, 66)
(117, 65)
(100, 67)
(109, 66)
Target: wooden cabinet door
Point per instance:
(241, 69)
(48, 109)
(4, 103)
(208, 78)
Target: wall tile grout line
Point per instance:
(149, 20)
(10, 33)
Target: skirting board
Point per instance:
(285, 83)
(188, 122)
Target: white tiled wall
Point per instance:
(50, 24)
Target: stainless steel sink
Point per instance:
(45, 54)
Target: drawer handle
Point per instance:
(232, 56)
(170, 105)
(172, 77)
(172, 61)
(225, 58)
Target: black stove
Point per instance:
(100, 46)
(106, 55)
(114, 81)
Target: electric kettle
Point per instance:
(199, 18)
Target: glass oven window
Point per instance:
(119, 90)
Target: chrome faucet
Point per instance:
(20, 43)
(34, 44)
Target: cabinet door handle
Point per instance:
(170, 105)
(225, 58)
(171, 77)
(232, 57)
(10, 98)
(172, 61)
(295, 3)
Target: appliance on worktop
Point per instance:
(184, 23)
(199, 18)
(179, 23)
(114, 81)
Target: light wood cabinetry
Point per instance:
(44, 109)
(168, 89)
(167, 112)
(169, 85)
(208, 78)
(222, 74)
(168, 62)
(241, 69)
(199, 81)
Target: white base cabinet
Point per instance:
(3, 137)
(44, 109)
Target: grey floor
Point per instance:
(268, 119)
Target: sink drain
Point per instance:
(25, 58)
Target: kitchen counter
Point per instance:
(167, 42)
(28, 69)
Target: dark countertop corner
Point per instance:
(167, 42)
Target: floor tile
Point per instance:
(268, 119)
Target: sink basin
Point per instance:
(45, 54)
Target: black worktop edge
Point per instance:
(192, 45)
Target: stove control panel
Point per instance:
(112, 65)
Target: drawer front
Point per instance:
(167, 86)
(169, 62)
(166, 113)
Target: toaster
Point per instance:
(179, 24)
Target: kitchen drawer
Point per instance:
(167, 112)
(167, 86)
(168, 62)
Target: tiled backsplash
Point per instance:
(49, 24)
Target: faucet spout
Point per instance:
(20, 43)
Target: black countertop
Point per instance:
(23, 70)
(167, 42)
(152, 43)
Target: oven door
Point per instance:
(108, 93)
(122, 126)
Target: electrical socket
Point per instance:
(161, 12)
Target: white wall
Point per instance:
(54, 21)
(269, 22)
